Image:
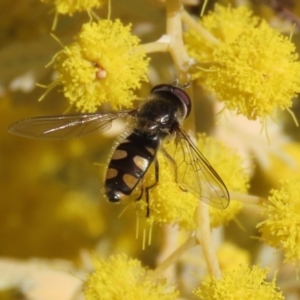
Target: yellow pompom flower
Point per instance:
(257, 74)
(70, 7)
(103, 65)
(120, 277)
(254, 71)
(225, 24)
(240, 284)
(281, 228)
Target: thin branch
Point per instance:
(246, 198)
(155, 47)
(191, 242)
(205, 239)
(193, 24)
(174, 31)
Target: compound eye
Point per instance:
(180, 94)
(184, 98)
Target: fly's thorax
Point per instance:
(158, 115)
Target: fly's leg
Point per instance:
(148, 188)
(141, 194)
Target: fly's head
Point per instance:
(176, 95)
(168, 105)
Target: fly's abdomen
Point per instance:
(128, 165)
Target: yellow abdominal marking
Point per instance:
(151, 150)
(130, 180)
(141, 162)
(111, 173)
(119, 154)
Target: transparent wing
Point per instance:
(194, 173)
(65, 126)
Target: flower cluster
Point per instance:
(243, 283)
(70, 7)
(225, 24)
(253, 68)
(121, 277)
(103, 65)
(281, 228)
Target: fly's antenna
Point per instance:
(185, 85)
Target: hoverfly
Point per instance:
(159, 118)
